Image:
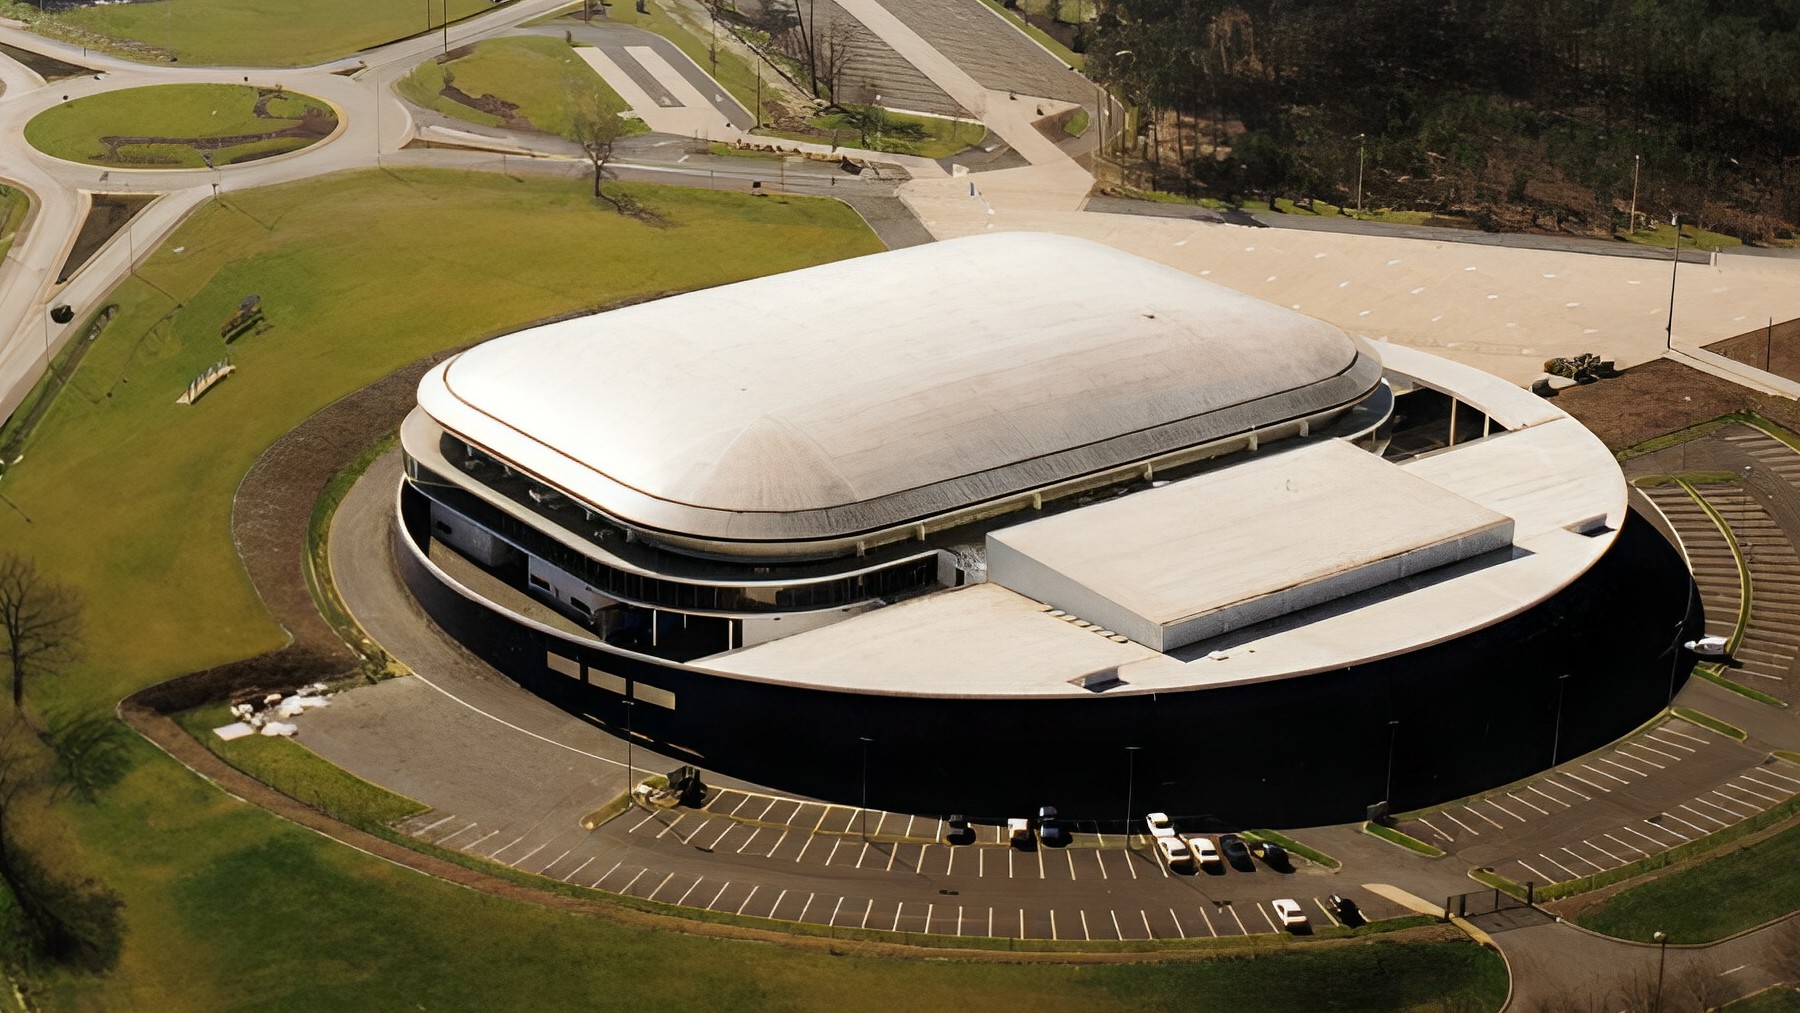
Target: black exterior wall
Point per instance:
(1481, 711)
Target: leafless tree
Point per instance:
(40, 623)
(596, 128)
(835, 51)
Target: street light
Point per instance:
(1130, 779)
(1562, 683)
(1387, 794)
(1120, 53)
(1636, 161)
(865, 740)
(1360, 151)
(1674, 266)
(1661, 939)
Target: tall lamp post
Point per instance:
(865, 740)
(1674, 267)
(1661, 939)
(1117, 55)
(1562, 683)
(1387, 793)
(1361, 150)
(1636, 161)
(1130, 782)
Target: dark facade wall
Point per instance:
(1472, 714)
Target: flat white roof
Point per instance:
(1243, 544)
(884, 390)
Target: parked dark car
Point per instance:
(1270, 852)
(1049, 829)
(1347, 911)
(1232, 847)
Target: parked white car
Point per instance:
(1160, 825)
(1175, 851)
(1290, 913)
(1205, 851)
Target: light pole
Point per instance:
(1661, 939)
(1636, 161)
(1562, 683)
(1674, 266)
(1360, 152)
(1130, 780)
(206, 156)
(630, 709)
(446, 26)
(1117, 55)
(1387, 794)
(865, 740)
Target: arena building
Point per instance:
(1021, 519)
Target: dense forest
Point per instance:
(1508, 112)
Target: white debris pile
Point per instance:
(262, 716)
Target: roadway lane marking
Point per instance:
(1235, 918)
(1572, 791)
(1621, 766)
(1484, 816)
(1572, 873)
(627, 887)
(1583, 780)
(1084, 927)
(1765, 784)
(1704, 816)
(671, 826)
(866, 912)
(753, 832)
(1472, 831)
(1435, 830)
(1266, 917)
(1671, 745)
(1209, 924)
(578, 868)
(1177, 920)
(1623, 844)
(457, 833)
(1603, 851)
(652, 894)
(1534, 872)
(1660, 845)
(834, 912)
(1597, 866)
(1667, 830)
(1503, 809)
(716, 896)
(609, 872)
(528, 854)
(1737, 801)
(1690, 738)
(752, 893)
(805, 907)
(1602, 773)
(1630, 756)
(1751, 791)
(1327, 912)
(1552, 798)
(684, 896)
(426, 830)
(1528, 802)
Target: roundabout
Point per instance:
(182, 126)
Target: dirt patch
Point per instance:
(493, 105)
(110, 213)
(1773, 348)
(1661, 397)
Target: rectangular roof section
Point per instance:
(1237, 546)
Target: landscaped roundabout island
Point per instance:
(182, 126)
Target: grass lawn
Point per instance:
(1662, 234)
(942, 137)
(1062, 52)
(542, 76)
(1713, 899)
(174, 122)
(14, 204)
(252, 33)
(1780, 999)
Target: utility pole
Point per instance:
(1636, 161)
(1361, 150)
(1674, 267)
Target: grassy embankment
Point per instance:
(177, 115)
(247, 33)
(540, 75)
(1708, 900)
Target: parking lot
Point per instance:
(1645, 794)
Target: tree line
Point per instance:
(1465, 104)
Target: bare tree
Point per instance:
(596, 128)
(835, 51)
(40, 623)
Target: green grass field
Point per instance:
(1780, 999)
(942, 137)
(253, 33)
(539, 74)
(1713, 899)
(176, 114)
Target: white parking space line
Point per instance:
(1572, 791)
(1118, 933)
(1504, 809)
(835, 844)
(779, 841)
(552, 865)
(528, 854)
(753, 888)
(578, 869)
(864, 853)
(684, 894)
(729, 827)
(1177, 920)
(1209, 925)
(766, 809)
(716, 896)
(1596, 865)
(496, 853)
(1572, 873)
(908, 833)
(1667, 830)
(950, 861)
(1070, 855)
(1484, 816)
(839, 906)
(426, 830)
(1627, 845)
(1326, 911)
(1603, 851)
(928, 910)
(1435, 830)
(1102, 863)
(609, 872)
(866, 912)
(754, 831)
(1621, 766)
(1671, 757)
(959, 919)
(1601, 773)
(743, 802)
(1266, 918)
(1084, 926)
(1698, 830)
(1534, 872)
(1734, 814)
(1583, 780)
(1672, 745)
(652, 894)
(1765, 784)
(672, 825)
(1528, 802)
(1660, 845)
(455, 833)
(1472, 831)
(778, 899)
(477, 842)
(1052, 923)
(981, 863)
(627, 887)
(809, 839)
(697, 831)
(879, 820)
(1130, 866)
(805, 907)
(1009, 863)
(893, 854)
(1772, 772)
(1640, 759)
(1149, 933)
(1704, 816)
(1751, 791)
(1240, 921)
(1553, 798)
(1666, 730)
(1738, 801)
